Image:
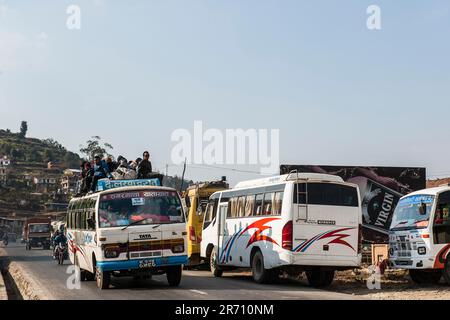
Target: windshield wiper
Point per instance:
(139, 221)
(135, 222)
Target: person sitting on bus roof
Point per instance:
(87, 175)
(101, 171)
(144, 168)
(112, 165)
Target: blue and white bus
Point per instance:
(129, 228)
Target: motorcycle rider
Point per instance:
(60, 238)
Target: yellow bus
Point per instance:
(196, 198)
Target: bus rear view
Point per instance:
(300, 222)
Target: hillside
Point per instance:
(32, 151)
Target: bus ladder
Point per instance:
(305, 193)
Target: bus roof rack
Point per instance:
(297, 176)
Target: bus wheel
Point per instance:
(320, 278)
(174, 276)
(259, 272)
(425, 277)
(446, 271)
(215, 269)
(103, 278)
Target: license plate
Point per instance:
(148, 263)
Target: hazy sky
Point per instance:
(138, 70)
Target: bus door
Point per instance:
(222, 233)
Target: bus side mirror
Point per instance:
(423, 209)
(187, 200)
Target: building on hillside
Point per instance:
(45, 184)
(437, 182)
(4, 161)
(54, 165)
(69, 181)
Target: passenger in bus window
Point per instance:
(122, 217)
(439, 216)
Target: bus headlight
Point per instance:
(111, 253)
(178, 248)
(422, 250)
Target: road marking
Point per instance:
(198, 291)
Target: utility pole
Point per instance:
(182, 177)
(167, 170)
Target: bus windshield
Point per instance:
(412, 212)
(139, 207)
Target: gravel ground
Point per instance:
(395, 285)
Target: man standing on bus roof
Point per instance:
(144, 168)
(101, 171)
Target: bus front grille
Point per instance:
(145, 254)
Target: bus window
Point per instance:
(232, 207)
(259, 204)
(209, 214)
(240, 206)
(441, 227)
(249, 204)
(327, 194)
(277, 203)
(267, 204)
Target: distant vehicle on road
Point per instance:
(419, 237)
(37, 233)
(196, 198)
(295, 222)
(130, 228)
(12, 237)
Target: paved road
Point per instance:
(194, 284)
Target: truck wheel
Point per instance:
(446, 271)
(173, 274)
(103, 278)
(259, 272)
(425, 277)
(215, 269)
(318, 278)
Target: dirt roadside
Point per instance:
(394, 285)
(22, 285)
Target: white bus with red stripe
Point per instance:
(296, 222)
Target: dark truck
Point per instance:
(36, 233)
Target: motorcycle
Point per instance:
(61, 253)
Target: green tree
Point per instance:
(94, 146)
(47, 155)
(23, 129)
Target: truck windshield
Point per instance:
(412, 212)
(152, 207)
(39, 228)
